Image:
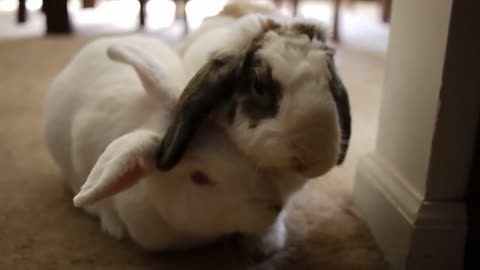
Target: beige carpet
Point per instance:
(40, 229)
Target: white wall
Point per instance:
(410, 190)
(413, 79)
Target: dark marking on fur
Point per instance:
(260, 98)
(211, 85)
(340, 96)
(231, 111)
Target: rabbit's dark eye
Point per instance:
(260, 97)
(259, 84)
(259, 88)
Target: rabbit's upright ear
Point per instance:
(340, 96)
(212, 84)
(121, 165)
(151, 72)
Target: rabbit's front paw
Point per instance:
(275, 239)
(112, 225)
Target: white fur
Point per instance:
(108, 110)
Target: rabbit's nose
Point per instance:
(275, 207)
(307, 169)
(200, 178)
(298, 164)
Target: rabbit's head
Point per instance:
(277, 94)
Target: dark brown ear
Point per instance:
(340, 96)
(212, 84)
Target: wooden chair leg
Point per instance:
(295, 7)
(57, 18)
(386, 10)
(143, 12)
(185, 19)
(336, 20)
(22, 11)
(277, 3)
(181, 13)
(88, 3)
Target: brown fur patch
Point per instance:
(268, 25)
(260, 96)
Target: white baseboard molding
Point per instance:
(413, 233)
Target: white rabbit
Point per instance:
(204, 149)
(105, 116)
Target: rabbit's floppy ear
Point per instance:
(340, 96)
(122, 164)
(151, 72)
(211, 85)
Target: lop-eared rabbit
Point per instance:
(175, 153)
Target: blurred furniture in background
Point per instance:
(56, 16)
(58, 20)
(22, 11)
(89, 3)
(179, 11)
(336, 13)
(386, 9)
